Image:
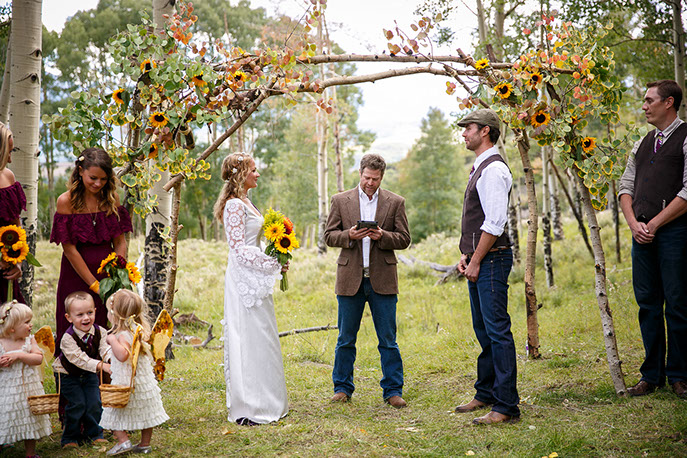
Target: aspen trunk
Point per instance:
(156, 250)
(321, 125)
(546, 218)
(556, 217)
(679, 51)
(530, 257)
(573, 208)
(614, 362)
(175, 228)
(6, 81)
(25, 113)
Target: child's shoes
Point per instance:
(142, 449)
(120, 449)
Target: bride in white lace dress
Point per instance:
(253, 367)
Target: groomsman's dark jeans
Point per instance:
(496, 365)
(659, 275)
(383, 309)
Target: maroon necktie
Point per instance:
(659, 141)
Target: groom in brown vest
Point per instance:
(486, 262)
(653, 197)
(366, 272)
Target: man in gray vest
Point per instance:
(653, 197)
(486, 262)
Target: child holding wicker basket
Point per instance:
(127, 311)
(83, 354)
(19, 378)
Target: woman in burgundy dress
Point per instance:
(90, 224)
(12, 202)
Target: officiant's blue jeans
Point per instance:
(659, 277)
(496, 366)
(383, 309)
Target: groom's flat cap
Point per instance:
(484, 117)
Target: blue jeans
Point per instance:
(83, 410)
(659, 275)
(383, 309)
(496, 366)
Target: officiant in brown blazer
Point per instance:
(366, 272)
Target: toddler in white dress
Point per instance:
(144, 410)
(19, 378)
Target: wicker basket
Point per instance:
(116, 396)
(44, 404)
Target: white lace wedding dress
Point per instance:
(253, 367)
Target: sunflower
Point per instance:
(147, 65)
(240, 76)
(482, 64)
(158, 119)
(535, 79)
(288, 226)
(588, 144)
(274, 232)
(540, 118)
(117, 96)
(134, 274)
(504, 90)
(9, 235)
(152, 153)
(16, 253)
(198, 80)
(110, 257)
(287, 243)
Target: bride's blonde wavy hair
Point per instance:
(235, 169)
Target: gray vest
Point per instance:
(473, 214)
(658, 176)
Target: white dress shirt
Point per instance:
(368, 211)
(493, 187)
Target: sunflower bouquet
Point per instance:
(280, 234)
(13, 250)
(120, 275)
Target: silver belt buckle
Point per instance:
(366, 272)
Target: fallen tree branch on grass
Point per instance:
(313, 329)
(449, 272)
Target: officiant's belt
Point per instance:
(366, 272)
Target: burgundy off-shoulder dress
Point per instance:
(93, 235)
(12, 202)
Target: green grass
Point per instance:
(568, 402)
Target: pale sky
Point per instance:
(393, 108)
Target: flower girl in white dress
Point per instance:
(253, 367)
(144, 410)
(19, 378)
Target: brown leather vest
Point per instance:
(658, 176)
(473, 214)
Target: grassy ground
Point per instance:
(568, 403)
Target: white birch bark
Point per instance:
(679, 50)
(546, 217)
(5, 89)
(156, 266)
(25, 112)
(322, 166)
(612, 354)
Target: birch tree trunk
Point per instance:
(546, 218)
(530, 258)
(556, 217)
(614, 362)
(322, 134)
(25, 113)
(156, 250)
(5, 89)
(679, 50)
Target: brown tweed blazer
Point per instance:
(391, 217)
